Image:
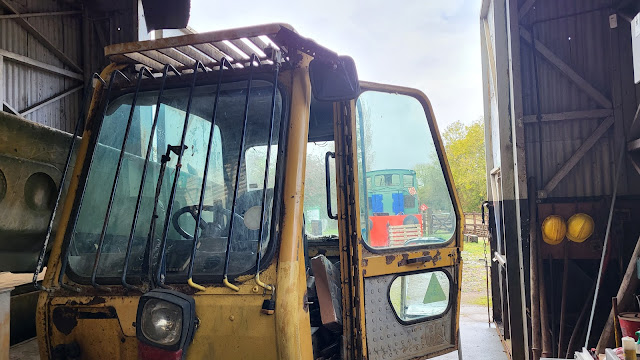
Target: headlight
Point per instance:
(161, 322)
(165, 321)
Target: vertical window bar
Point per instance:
(65, 253)
(276, 72)
(76, 133)
(136, 212)
(172, 196)
(114, 187)
(252, 64)
(147, 261)
(364, 171)
(223, 62)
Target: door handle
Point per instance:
(328, 183)
(421, 260)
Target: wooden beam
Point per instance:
(524, 9)
(573, 160)
(570, 115)
(625, 298)
(41, 14)
(490, 54)
(41, 38)
(48, 101)
(39, 64)
(583, 84)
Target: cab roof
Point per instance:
(236, 45)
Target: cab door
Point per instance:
(405, 269)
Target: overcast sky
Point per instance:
(430, 45)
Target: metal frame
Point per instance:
(39, 36)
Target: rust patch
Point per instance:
(437, 257)
(97, 300)
(65, 319)
(426, 253)
(305, 302)
(365, 262)
(389, 259)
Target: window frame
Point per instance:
(451, 296)
(440, 152)
(94, 124)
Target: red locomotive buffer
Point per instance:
(394, 230)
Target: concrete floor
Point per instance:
(479, 341)
(27, 350)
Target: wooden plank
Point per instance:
(573, 160)
(625, 298)
(41, 38)
(583, 84)
(524, 9)
(490, 54)
(40, 65)
(570, 115)
(48, 101)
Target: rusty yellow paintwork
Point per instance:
(376, 265)
(231, 325)
(292, 320)
(355, 341)
(236, 328)
(44, 341)
(372, 264)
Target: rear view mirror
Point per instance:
(334, 80)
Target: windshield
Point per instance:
(221, 180)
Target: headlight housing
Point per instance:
(166, 319)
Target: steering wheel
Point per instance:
(219, 227)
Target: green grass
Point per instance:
(474, 275)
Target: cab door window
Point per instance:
(317, 221)
(393, 133)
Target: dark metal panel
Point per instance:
(579, 34)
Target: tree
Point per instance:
(464, 145)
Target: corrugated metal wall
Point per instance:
(25, 86)
(579, 33)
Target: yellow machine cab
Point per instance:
(241, 194)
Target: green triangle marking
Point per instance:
(434, 291)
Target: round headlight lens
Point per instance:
(161, 322)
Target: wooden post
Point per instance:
(625, 299)
(429, 221)
(563, 301)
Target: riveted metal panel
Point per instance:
(387, 338)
